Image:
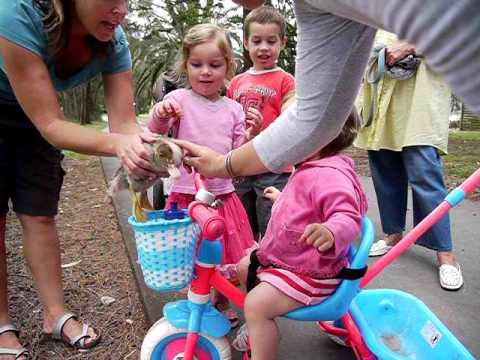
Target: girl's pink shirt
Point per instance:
(327, 192)
(218, 124)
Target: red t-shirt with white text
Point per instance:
(263, 90)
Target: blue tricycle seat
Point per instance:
(337, 305)
(397, 326)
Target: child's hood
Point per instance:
(346, 166)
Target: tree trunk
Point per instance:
(247, 62)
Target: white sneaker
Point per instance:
(450, 276)
(379, 248)
(241, 340)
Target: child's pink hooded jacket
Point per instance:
(326, 191)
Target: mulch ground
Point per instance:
(89, 234)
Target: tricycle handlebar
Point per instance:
(212, 224)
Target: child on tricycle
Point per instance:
(305, 248)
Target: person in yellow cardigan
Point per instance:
(406, 130)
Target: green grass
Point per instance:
(463, 154)
(99, 125)
(456, 135)
(463, 151)
(74, 155)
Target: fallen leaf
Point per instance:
(107, 300)
(64, 266)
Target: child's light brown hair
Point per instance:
(200, 34)
(265, 15)
(345, 138)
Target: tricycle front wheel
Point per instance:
(166, 342)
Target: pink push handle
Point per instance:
(472, 182)
(451, 200)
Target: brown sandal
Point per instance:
(10, 351)
(78, 342)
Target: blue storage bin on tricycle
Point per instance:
(166, 245)
(397, 326)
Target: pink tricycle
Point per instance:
(178, 247)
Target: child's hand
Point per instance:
(168, 109)
(254, 121)
(318, 236)
(271, 193)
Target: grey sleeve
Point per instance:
(331, 55)
(446, 32)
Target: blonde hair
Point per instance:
(201, 34)
(265, 15)
(57, 23)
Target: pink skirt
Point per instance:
(237, 240)
(304, 289)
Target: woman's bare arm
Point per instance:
(120, 105)
(30, 80)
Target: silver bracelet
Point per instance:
(228, 164)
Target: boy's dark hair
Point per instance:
(346, 136)
(265, 15)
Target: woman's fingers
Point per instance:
(137, 167)
(147, 137)
(189, 149)
(187, 145)
(206, 161)
(134, 156)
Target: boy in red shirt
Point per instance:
(264, 91)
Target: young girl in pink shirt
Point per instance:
(200, 115)
(314, 221)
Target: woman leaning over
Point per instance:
(48, 46)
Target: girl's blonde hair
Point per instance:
(57, 23)
(200, 34)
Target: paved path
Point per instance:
(415, 272)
